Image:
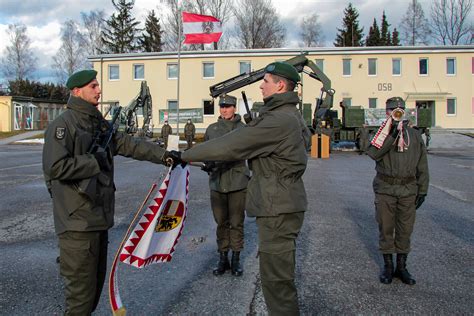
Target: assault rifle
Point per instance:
(324, 102)
(100, 142)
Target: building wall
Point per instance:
(5, 113)
(436, 86)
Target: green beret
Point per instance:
(226, 100)
(80, 78)
(284, 70)
(395, 102)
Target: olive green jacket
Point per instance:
(227, 176)
(166, 130)
(412, 163)
(189, 130)
(67, 167)
(275, 144)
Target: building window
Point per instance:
(451, 107)
(172, 71)
(372, 67)
(114, 72)
(139, 71)
(450, 66)
(396, 66)
(347, 101)
(320, 64)
(208, 70)
(372, 103)
(245, 67)
(208, 107)
(346, 67)
(423, 66)
(172, 105)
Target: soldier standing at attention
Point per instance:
(82, 219)
(166, 131)
(275, 144)
(400, 187)
(189, 132)
(228, 182)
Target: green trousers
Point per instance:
(276, 241)
(396, 218)
(229, 214)
(83, 265)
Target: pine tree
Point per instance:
(350, 34)
(150, 40)
(395, 40)
(385, 39)
(119, 34)
(373, 39)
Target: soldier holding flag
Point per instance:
(82, 218)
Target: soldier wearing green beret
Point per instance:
(400, 187)
(275, 145)
(82, 220)
(228, 182)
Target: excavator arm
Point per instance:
(300, 62)
(143, 101)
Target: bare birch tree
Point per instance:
(310, 31)
(258, 24)
(450, 21)
(71, 56)
(414, 26)
(92, 27)
(19, 61)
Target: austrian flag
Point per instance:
(201, 29)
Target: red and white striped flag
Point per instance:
(201, 29)
(155, 236)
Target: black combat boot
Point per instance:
(223, 263)
(387, 274)
(401, 272)
(235, 266)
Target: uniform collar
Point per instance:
(80, 105)
(278, 99)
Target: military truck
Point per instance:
(356, 117)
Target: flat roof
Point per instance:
(286, 52)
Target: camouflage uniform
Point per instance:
(189, 132)
(166, 131)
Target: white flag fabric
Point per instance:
(156, 234)
(201, 29)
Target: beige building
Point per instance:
(439, 77)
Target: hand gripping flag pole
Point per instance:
(155, 236)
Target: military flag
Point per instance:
(201, 29)
(154, 238)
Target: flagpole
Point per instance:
(179, 72)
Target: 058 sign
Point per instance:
(384, 86)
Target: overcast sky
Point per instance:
(44, 18)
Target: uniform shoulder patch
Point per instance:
(60, 133)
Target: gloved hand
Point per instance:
(208, 166)
(420, 198)
(173, 158)
(101, 157)
(247, 118)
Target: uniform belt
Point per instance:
(392, 180)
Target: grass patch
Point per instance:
(10, 134)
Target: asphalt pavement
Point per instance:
(337, 257)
